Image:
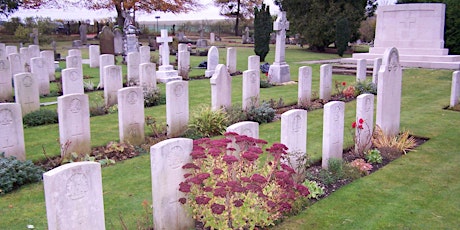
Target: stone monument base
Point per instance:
(279, 73)
(167, 73)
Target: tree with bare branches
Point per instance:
(238, 9)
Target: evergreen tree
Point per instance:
(342, 36)
(263, 26)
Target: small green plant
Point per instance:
(15, 173)
(333, 173)
(40, 117)
(153, 97)
(373, 156)
(262, 114)
(209, 122)
(158, 130)
(365, 87)
(235, 114)
(314, 188)
(97, 110)
(88, 86)
(113, 109)
(265, 84)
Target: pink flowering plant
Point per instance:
(228, 186)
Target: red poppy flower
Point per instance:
(353, 125)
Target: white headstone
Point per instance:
(294, 135)
(11, 50)
(254, 62)
(375, 70)
(6, 86)
(74, 62)
(147, 75)
(167, 159)
(166, 72)
(325, 82)
(304, 87)
(2, 50)
(333, 121)
(104, 60)
(133, 61)
(72, 81)
(361, 69)
(231, 60)
(73, 196)
(11, 131)
(74, 52)
(118, 41)
(177, 107)
(183, 61)
(389, 93)
(251, 89)
(25, 57)
(213, 61)
(40, 71)
(279, 71)
(113, 82)
(26, 92)
(131, 115)
(94, 54)
(455, 89)
(221, 88)
(212, 37)
(74, 127)
(132, 43)
(34, 51)
(144, 52)
(247, 128)
(16, 64)
(364, 122)
(48, 56)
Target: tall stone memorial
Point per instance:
(166, 72)
(177, 107)
(294, 136)
(213, 61)
(131, 115)
(304, 87)
(26, 92)
(221, 88)
(11, 131)
(6, 86)
(333, 126)
(118, 41)
(279, 71)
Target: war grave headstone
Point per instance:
(221, 88)
(389, 93)
(254, 62)
(212, 38)
(364, 122)
(25, 57)
(118, 41)
(375, 70)
(304, 87)
(131, 115)
(76, 43)
(72, 81)
(251, 89)
(183, 61)
(333, 127)
(83, 29)
(213, 61)
(325, 82)
(104, 60)
(34, 51)
(144, 52)
(147, 75)
(11, 50)
(2, 50)
(74, 62)
(133, 61)
(177, 107)
(166, 72)
(106, 41)
(16, 64)
(73, 196)
(74, 52)
(40, 71)
(132, 43)
(231, 60)
(26, 92)
(361, 69)
(48, 56)
(167, 159)
(201, 43)
(74, 126)
(455, 89)
(11, 131)
(94, 54)
(294, 135)
(279, 71)
(247, 128)
(6, 86)
(113, 81)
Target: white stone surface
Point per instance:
(247, 128)
(48, 56)
(213, 61)
(144, 54)
(147, 75)
(167, 159)
(16, 64)
(364, 130)
(6, 86)
(251, 89)
(164, 39)
(254, 62)
(133, 61)
(183, 61)
(375, 70)
(131, 115)
(74, 62)
(231, 60)
(73, 197)
(113, 82)
(304, 87)
(166, 72)
(74, 125)
(361, 69)
(279, 71)
(389, 93)
(11, 131)
(74, 52)
(177, 107)
(39, 70)
(333, 126)
(11, 50)
(221, 88)
(72, 81)
(94, 54)
(34, 51)
(26, 92)
(294, 136)
(212, 38)
(2, 50)
(25, 57)
(104, 60)
(325, 82)
(455, 89)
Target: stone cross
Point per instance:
(280, 26)
(165, 50)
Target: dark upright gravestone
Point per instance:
(106, 41)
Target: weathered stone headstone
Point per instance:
(248, 128)
(333, 126)
(364, 122)
(375, 71)
(231, 60)
(167, 159)
(389, 93)
(34, 51)
(144, 52)
(455, 89)
(361, 69)
(11, 50)
(212, 37)
(76, 43)
(166, 72)
(131, 115)
(201, 43)
(2, 50)
(74, 62)
(83, 29)
(94, 54)
(213, 61)
(294, 136)
(304, 87)
(40, 71)
(74, 52)
(74, 128)
(147, 75)
(251, 88)
(132, 44)
(113, 81)
(221, 88)
(11, 131)
(177, 110)
(34, 36)
(104, 60)
(72, 81)
(26, 92)
(73, 196)
(183, 61)
(48, 56)
(106, 41)
(254, 62)
(16, 64)
(279, 71)
(6, 86)
(25, 57)
(132, 62)
(118, 41)
(325, 82)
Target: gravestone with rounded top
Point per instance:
(132, 62)
(25, 57)
(147, 75)
(364, 122)
(247, 128)
(177, 107)
(106, 41)
(104, 60)
(113, 82)
(361, 69)
(213, 61)
(325, 82)
(74, 52)
(11, 50)
(48, 56)
(6, 86)
(144, 52)
(2, 50)
(294, 136)
(72, 81)
(183, 61)
(254, 62)
(231, 60)
(221, 88)
(94, 54)
(74, 62)
(333, 126)
(304, 87)
(11, 131)
(118, 41)
(40, 72)
(455, 89)
(16, 64)
(251, 89)
(34, 51)
(131, 115)
(26, 92)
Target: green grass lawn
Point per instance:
(418, 191)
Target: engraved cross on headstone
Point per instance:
(280, 26)
(408, 26)
(165, 49)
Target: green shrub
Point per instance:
(97, 110)
(262, 114)
(22, 34)
(365, 87)
(153, 96)
(40, 117)
(265, 84)
(333, 173)
(314, 188)
(235, 114)
(15, 173)
(373, 156)
(209, 122)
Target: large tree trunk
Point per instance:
(237, 17)
(120, 18)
